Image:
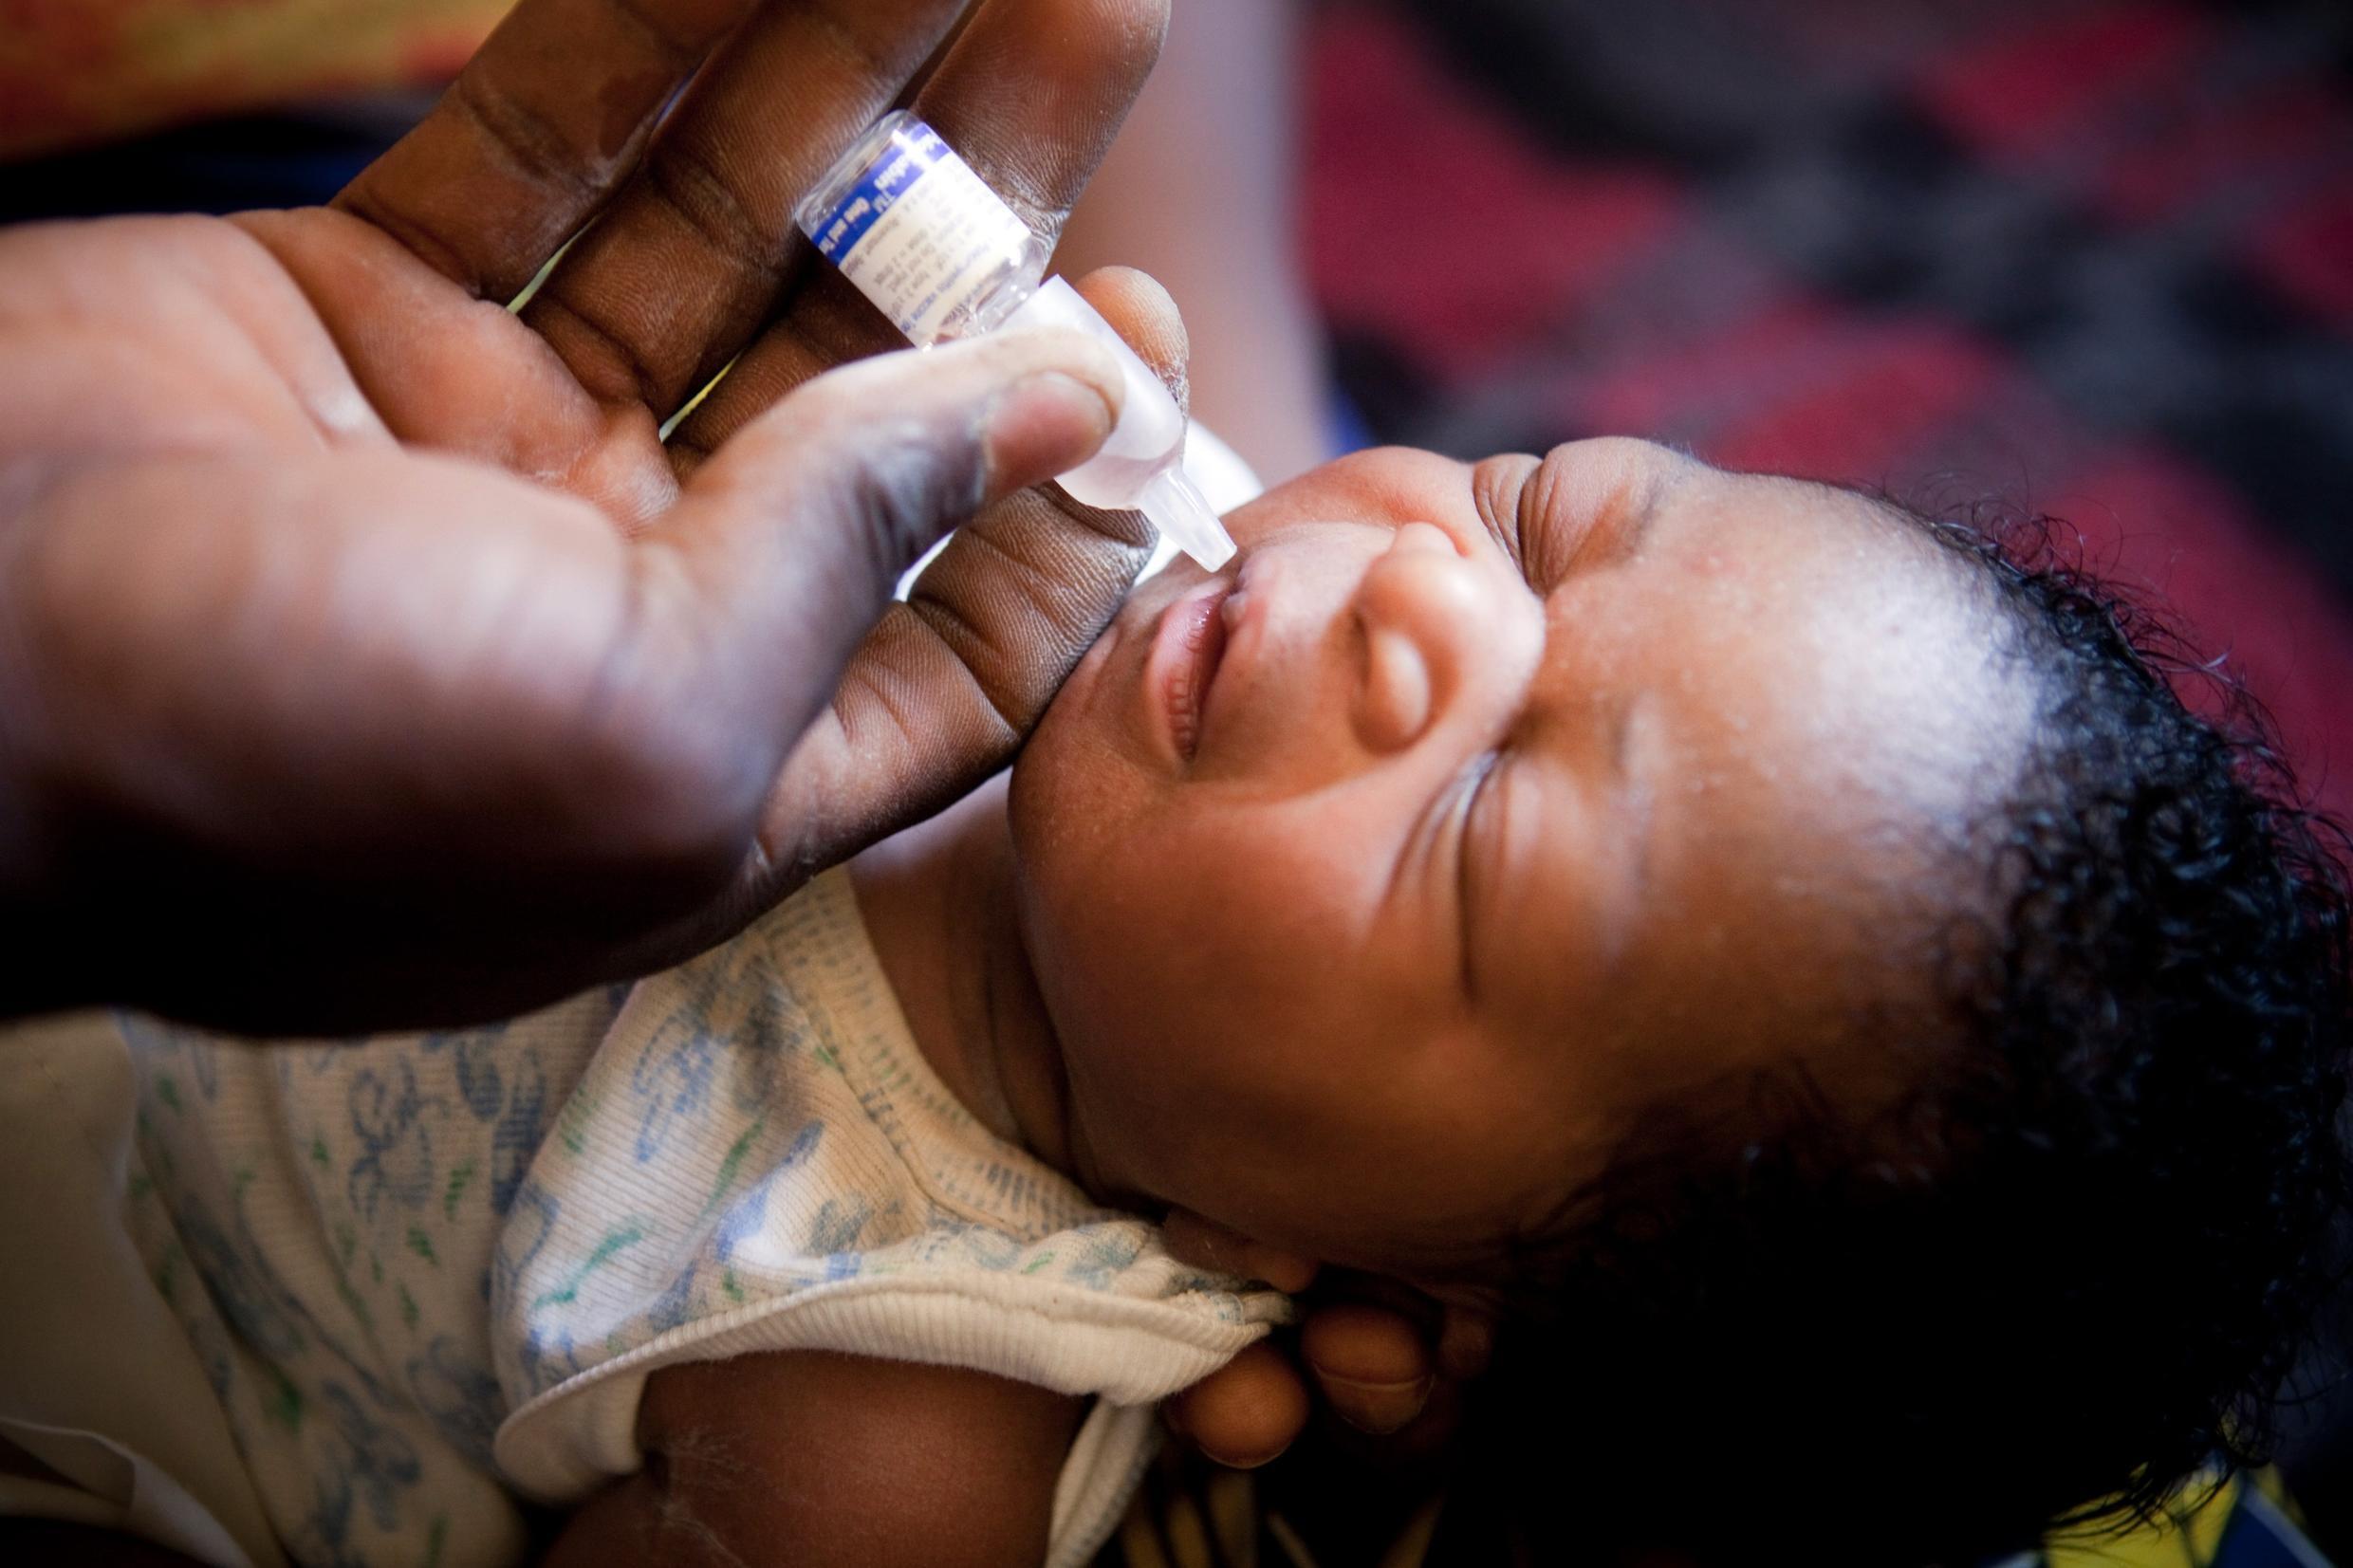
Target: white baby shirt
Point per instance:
(418, 1266)
(759, 1158)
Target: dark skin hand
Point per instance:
(366, 658)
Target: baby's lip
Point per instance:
(1187, 647)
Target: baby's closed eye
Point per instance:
(1584, 506)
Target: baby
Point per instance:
(1800, 977)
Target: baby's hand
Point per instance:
(1386, 1357)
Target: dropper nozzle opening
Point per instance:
(1175, 505)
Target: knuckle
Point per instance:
(686, 181)
(1020, 636)
(444, 253)
(866, 38)
(600, 357)
(530, 142)
(679, 46)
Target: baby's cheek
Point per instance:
(1063, 779)
(1066, 710)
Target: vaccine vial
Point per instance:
(921, 234)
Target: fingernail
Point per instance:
(1045, 424)
(1378, 1408)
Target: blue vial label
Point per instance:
(920, 233)
(909, 157)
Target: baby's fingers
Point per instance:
(1245, 1413)
(1205, 1244)
(1374, 1366)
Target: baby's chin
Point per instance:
(1047, 786)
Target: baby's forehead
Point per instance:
(1812, 581)
(1596, 509)
(1806, 706)
(1695, 507)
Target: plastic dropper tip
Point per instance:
(1175, 505)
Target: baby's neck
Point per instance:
(938, 901)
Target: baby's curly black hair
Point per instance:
(2066, 1271)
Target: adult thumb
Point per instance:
(855, 474)
(787, 544)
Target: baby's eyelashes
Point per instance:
(1472, 839)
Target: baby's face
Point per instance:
(1376, 882)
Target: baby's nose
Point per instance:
(1419, 609)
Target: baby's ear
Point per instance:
(1205, 1244)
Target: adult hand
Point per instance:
(365, 655)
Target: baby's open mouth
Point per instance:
(1190, 646)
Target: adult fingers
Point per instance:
(949, 682)
(1033, 91)
(544, 121)
(682, 267)
(785, 547)
(414, 678)
(1031, 95)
